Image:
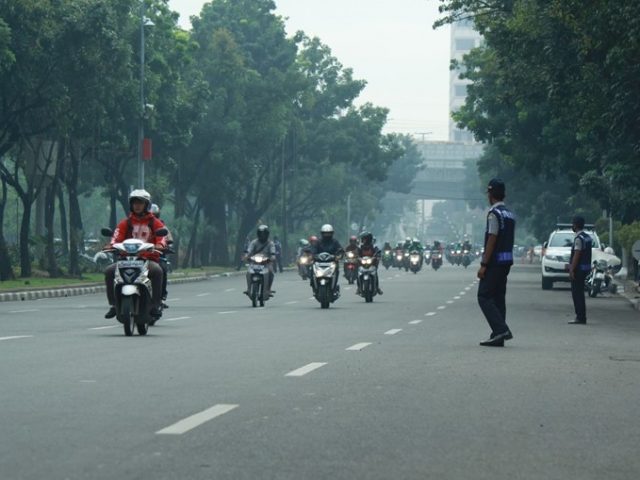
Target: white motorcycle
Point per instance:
(599, 279)
(133, 290)
(325, 279)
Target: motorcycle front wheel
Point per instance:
(126, 315)
(323, 296)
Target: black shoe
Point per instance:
(508, 335)
(493, 342)
(577, 322)
(111, 313)
(164, 305)
(380, 291)
(246, 292)
(155, 312)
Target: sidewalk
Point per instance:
(87, 289)
(629, 290)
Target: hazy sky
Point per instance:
(388, 43)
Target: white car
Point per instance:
(557, 252)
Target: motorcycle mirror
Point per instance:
(161, 232)
(106, 232)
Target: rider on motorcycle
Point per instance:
(353, 244)
(328, 244)
(263, 245)
(140, 224)
(368, 249)
(155, 210)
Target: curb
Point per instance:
(93, 288)
(628, 294)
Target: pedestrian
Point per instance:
(579, 268)
(278, 245)
(496, 264)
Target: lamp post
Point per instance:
(144, 22)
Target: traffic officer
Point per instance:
(496, 264)
(579, 268)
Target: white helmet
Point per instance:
(140, 194)
(610, 251)
(155, 209)
(326, 231)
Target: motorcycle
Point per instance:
(133, 290)
(351, 267)
(466, 258)
(258, 277)
(367, 273)
(427, 257)
(414, 261)
(387, 259)
(599, 279)
(398, 259)
(325, 279)
(304, 265)
(405, 261)
(436, 260)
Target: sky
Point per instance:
(389, 43)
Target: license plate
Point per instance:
(130, 263)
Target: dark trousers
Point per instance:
(278, 263)
(491, 297)
(163, 265)
(155, 275)
(577, 292)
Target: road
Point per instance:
(397, 389)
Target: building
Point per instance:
(463, 38)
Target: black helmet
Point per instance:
(263, 233)
(367, 238)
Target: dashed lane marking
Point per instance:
(429, 314)
(441, 307)
(393, 331)
(104, 328)
(189, 423)
(415, 322)
(177, 319)
(173, 299)
(293, 302)
(15, 337)
(358, 346)
(225, 313)
(300, 372)
(25, 311)
(457, 297)
(230, 290)
(203, 295)
(449, 302)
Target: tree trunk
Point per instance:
(189, 258)
(64, 231)
(75, 215)
(49, 219)
(6, 270)
(25, 228)
(221, 236)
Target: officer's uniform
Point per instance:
(582, 243)
(493, 287)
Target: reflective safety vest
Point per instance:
(585, 257)
(503, 253)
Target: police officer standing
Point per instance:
(579, 268)
(496, 264)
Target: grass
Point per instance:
(38, 283)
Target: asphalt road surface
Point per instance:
(397, 389)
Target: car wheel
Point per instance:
(547, 283)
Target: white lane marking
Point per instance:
(415, 322)
(312, 298)
(177, 319)
(225, 313)
(430, 314)
(393, 331)
(441, 307)
(230, 290)
(104, 328)
(358, 346)
(16, 337)
(25, 311)
(291, 302)
(457, 297)
(189, 423)
(462, 293)
(88, 381)
(299, 372)
(203, 295)
(449, 302)
(82, 306)
(174, 300)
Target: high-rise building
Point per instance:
(464, 37)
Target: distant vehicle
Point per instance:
(555, 262)
(537, 250)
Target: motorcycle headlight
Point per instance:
(350, 255)
(259, 258)
(303, 260)
(367, 261)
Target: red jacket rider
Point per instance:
(141, 228)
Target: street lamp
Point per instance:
(144, 22)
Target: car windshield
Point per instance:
(565, 239)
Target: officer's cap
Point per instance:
(496, 187)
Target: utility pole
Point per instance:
(143, 23)
(348, 216)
